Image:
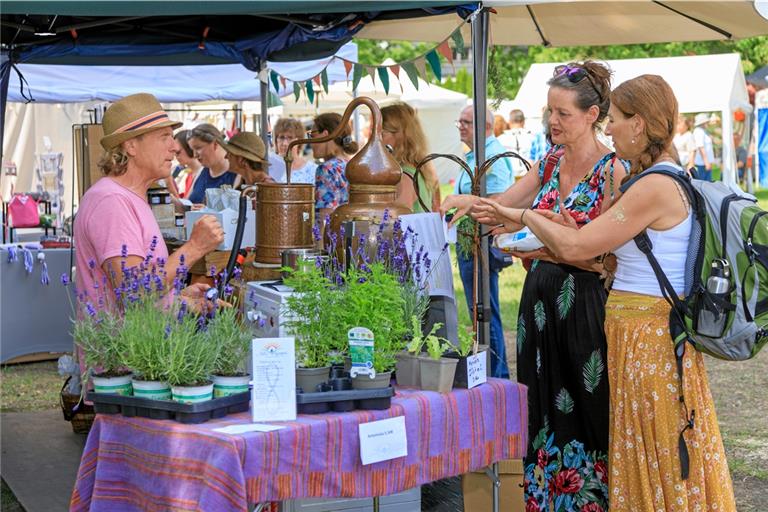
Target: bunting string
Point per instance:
(416, 68)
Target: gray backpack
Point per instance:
(724, 312)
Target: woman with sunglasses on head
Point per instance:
(206, 141)
(331, 185)
(561, 348)
(403, 133)
(286, 131)
(647, 415)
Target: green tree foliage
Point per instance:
(508, 65)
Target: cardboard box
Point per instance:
(478, 488)
(228, 220)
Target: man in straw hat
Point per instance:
(114, 222)
(703, 154)
(247, 157)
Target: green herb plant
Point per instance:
(96, 333)
(144, 340)
(313, 313)
(466, 342)
(418, 339)
(191, 355)
(374, 300)
(436, 346)
(227, 332)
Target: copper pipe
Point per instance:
(375, 132)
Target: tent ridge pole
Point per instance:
(544, 40)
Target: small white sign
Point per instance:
(476, 370)
(383, 440)
(273, 397)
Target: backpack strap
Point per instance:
(677, 327)
(550, 162)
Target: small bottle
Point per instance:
(712, 318)
(718, 282)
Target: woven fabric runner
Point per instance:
(152, 465)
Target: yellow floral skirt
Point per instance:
(646, 416)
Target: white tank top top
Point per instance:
(634, 273)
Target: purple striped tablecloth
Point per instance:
(141, 464)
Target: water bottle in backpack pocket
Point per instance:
(711, 310)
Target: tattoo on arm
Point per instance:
(618, 215)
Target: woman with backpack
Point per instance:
(656, 438)
(560, 333)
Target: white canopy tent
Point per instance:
(437, 108)
(706, 83)
(64, 95)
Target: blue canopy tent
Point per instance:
(144, 33)
(60, 83)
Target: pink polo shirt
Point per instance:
(109, 217)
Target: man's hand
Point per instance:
(196, 300)
(206, 235)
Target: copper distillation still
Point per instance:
(373, 174)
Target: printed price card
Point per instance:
(383, 440)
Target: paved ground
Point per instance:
(40, 457)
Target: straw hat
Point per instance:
(700, 119)
(132, 116)
(248, 145)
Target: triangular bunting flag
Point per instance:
(275, 83)
(458, 40)
(396, 71)
(384, 77)
(421, 67)
(413, 74)
(357, 74)
(348, 67)
(316, 79)
(309, 90)
(283, 82)
(371, 70)
(445, 51)
(264, 76)
(324, 79)
(434, 63)
(296, 91)
(273, 100)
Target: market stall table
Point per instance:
(142, 464)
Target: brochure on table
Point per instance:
(273, 397)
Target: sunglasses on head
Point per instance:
(576, 74)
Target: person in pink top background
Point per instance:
(114, 223)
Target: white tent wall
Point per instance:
(25, 127)
(703, 83)
(761, 113)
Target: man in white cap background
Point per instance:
(703, 154)
(114, 222)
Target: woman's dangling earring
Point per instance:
(633, 141)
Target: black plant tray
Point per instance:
(167, 409)
(343, 401)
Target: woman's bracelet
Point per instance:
(523, 215)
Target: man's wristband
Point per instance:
(523, 215)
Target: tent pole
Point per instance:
(482, 304)
(264, 102)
